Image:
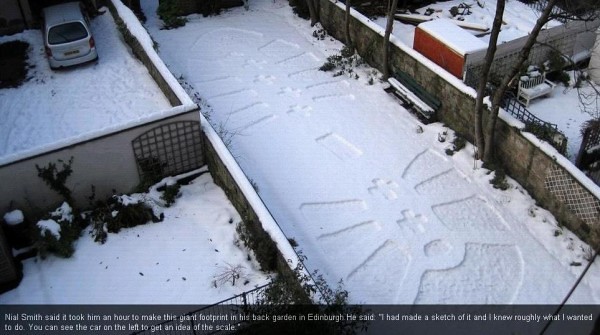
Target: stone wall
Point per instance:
(549, 182)
(265, 248)
(140, 53)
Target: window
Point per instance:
(65, 33)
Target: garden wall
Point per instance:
(551, 179)
(107, 162)
(267, 240)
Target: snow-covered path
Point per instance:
(345, 173)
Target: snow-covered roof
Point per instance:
(452, 35)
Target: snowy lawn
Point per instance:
(344, 171)
(171, 262)
(56, 105)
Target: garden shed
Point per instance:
(446, 44)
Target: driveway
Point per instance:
(59, 106)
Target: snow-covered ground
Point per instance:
(171, 262)
(344, 171)
(563, 108)
(56, 105)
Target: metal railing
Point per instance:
(219, 315)
(541, 129)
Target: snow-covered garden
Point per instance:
(369, 194)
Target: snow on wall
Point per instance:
(268, 223)
(139, 32)
(8, 159)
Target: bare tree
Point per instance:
(484, 137)
(482, 85)
(313, 9)
(347, 26)
(386, 38)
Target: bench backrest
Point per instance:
(417, 89)
(532, 81)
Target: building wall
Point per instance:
(11, 18)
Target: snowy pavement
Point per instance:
(54, 106)
(344, 172)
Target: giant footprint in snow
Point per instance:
(454, 248)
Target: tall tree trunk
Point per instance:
(386, 38)
(483, 80)
(347, 26)
(514, 70)
(312, 10)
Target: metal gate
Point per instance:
(168, 150)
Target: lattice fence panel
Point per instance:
(578, 199)
(169, 149)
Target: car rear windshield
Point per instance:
(65, 33)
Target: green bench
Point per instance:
(413, 95)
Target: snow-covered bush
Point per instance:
(56, 233)
(170, 194)
(343, 63)
(169, 11)
(116, 213)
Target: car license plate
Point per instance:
(71, 53)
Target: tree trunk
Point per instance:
(313, 12)
(347, 27)
(483, 80)
(386, 39)
(514, 70)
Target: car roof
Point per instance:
(66, 12)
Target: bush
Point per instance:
(169, 11)
(57, 232)
(300, 8)
(345, 62)
(117, 213)
(13, 63)
(263, 247)
(458, 143)
(499, 180)
(209, 7)
(170, 194)
(56, 179)
(290, 294)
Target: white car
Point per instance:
(67, 36)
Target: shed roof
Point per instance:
(453, 36)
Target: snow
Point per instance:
(49, 226)
(13, 218)
(170, 262)
(341, 168)
(452, 35)
(62, 106)
(63, 213)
